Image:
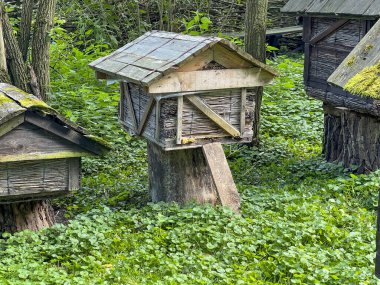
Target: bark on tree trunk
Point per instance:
(33, 215)
(25, 27)
(17, 67)
(352, 139)
(255, 44)
(190, 175)
(4, 77)
(41, 45)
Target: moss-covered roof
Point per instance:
(15, 102)
(366, 82)
(359, 73)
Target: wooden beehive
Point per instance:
(40, 152)
(181, 91)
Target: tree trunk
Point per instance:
(4, 77)
(25, 27)
(33, 215)
(17, 67)
(255, 44)
(41, 45)
(185, 176)
(352, 139)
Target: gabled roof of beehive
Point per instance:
(367, 8)
(361, 67)
(157, 53)
(17, 106)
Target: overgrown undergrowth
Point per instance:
(303, 221)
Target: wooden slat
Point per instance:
(131, 110)
(158, 118)
(198, 61)
(74, 173)
(179, 119)
(211, 80)
(242, 111)
(11, 124)
(205, 109)
(221, 175)
(329, 31)
(145, 116)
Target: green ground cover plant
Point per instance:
(303, 221)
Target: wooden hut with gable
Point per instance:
(181, 91)
(40, 151)
(332, 30)
(186, 95)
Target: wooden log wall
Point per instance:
(352, 138)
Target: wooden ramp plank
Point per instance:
(222, 176)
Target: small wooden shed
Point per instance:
(40, 151)
(182, 91)
(332, 29)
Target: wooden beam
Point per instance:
(132, 113)
(11, 124)
(205, 109)
(333, 28)
(158, 117)
(179, 119)
(146, 114)
(221, 175)
(204, 80)
(242, 110)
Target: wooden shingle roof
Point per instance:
(155, 54)
(365, 55)
(17, 107)
(357, 8)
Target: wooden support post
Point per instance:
(199, 175)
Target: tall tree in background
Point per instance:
(27, 56)
(255, 44)
(31, 76)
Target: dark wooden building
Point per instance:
(181, 91)
(40, 151)
(332, 29)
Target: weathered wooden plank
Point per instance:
(242, 111)
(297, 6)
(131, 110)
(373, 10)
(329, 31)
(221, 175)
(157, 119)
(211, 80)
(198, 61)
(74, 173)
(179, 119)
(228, 59)
(8, 108)
(66, 133)
(28, 142)
(11, 124)
(145, 116)
(205, 109)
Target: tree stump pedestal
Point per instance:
(352, 138)
(199, 175)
